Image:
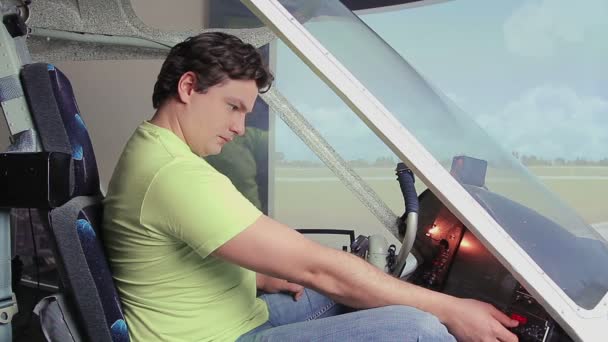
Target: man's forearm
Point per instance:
(352, 281)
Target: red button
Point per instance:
(521, 319)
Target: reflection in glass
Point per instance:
(308, 195)
(446, 132)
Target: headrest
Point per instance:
(59, 123)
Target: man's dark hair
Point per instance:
(214, 57)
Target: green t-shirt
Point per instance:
(165, 212)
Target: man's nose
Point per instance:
(238, 126)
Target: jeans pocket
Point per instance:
(318, 313)
(283, 309)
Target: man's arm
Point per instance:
(272, 248)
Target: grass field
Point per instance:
(314, 197)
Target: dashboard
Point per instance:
(453, 261)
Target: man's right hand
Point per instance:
(475, 321)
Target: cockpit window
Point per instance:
(545, 103)
(556, 237)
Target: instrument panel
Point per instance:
(453, 261)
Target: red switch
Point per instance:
(521, 319)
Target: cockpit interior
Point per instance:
(352, 145)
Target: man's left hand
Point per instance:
(270, 284)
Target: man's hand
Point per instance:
(471, 320)
(270, 284)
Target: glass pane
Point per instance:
(231, 14)
(546, 103)
(567, 249)
(308, 195)
(348, 136)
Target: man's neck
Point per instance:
(166, 117)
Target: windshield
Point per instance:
(556, 238)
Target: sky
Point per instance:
(532, 74)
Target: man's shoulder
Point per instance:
(186, 165)
(189, 173)
(149, 149)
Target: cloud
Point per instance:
(552, 122)
(547, 121)
(540, 27)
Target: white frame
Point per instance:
(581, 324)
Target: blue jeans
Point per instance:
(317, 318)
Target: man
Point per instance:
(187, 250)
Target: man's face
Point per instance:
(214, 118)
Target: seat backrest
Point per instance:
(59, 124)
(85, 272)
(75, 226)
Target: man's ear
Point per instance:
(186, 86)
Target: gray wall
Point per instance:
(172, 15)
(116, 96)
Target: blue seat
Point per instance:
(59, 124)
(85, 275)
